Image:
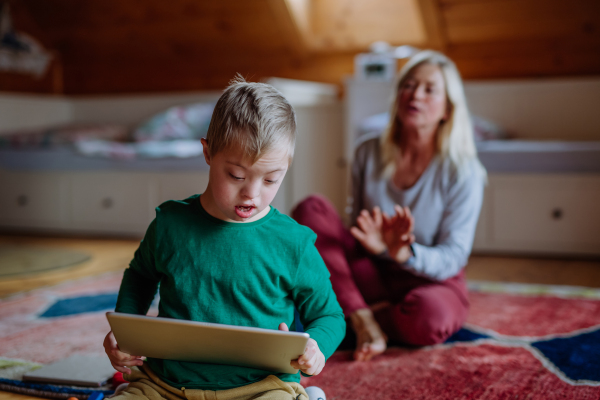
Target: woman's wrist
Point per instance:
(404, 254)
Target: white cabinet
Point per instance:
(319, 165)
(32, 200)
(544, 213)
(114, 203)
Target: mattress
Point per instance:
(498, 156)
(64, 158)
(524, 156)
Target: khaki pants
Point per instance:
(144, 384)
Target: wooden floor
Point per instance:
(113, 255)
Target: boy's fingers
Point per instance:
(119, 355)
(124, 370)
(312, 362)
(130, 363)
(309, 353)
(315, 365)
(283, 327)
(317, 368)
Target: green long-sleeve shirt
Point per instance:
(247, 274)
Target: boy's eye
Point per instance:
(237, 178)
(270, 181)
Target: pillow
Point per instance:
(179, 122)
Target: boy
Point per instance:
(226, 256)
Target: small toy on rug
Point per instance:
(11, 380)
(117, 380)
(77, 370)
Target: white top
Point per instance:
(445, 207)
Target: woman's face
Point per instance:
(422, 98)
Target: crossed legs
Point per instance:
(406, 308)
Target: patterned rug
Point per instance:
(520, 342)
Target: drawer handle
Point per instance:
(107, 203)
(557, 214)
(22, 200)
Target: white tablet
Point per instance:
(182, 340)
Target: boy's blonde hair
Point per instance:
(254, 117)
(455, 135)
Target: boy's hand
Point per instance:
(119, 360)
(312, 361)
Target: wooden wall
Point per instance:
(116, 46)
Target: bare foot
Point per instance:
(370, 340)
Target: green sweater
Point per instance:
(247, 274)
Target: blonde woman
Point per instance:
(398, 273)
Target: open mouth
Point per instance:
(244, 211)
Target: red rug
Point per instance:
(520, 342)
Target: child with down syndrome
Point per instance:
(226, 256)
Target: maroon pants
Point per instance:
(421, 311)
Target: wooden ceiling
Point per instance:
(116, 46)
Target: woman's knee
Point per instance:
(429, 316)
(320, 215)
(311, 205)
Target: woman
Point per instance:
(399, 272)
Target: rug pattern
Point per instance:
(520, 341)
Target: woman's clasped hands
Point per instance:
(379, 232)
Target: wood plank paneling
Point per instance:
(496, 20)
(113, 46)
(352, 25)
(527, 58)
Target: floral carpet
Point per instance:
(520, 342)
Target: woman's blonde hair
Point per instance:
(455, 133)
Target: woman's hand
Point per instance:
(119, 360)
(369, 231)
(396, 232)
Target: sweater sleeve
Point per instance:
(320, 312)
(456, 232)
(140, 280)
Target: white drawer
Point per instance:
(31, 200)
(556, 214)
(112, 202)
(180, 185)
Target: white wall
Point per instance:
(131, 109)
(33, 111)
(565, 109)
(560, 109)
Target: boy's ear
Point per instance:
(205, 150)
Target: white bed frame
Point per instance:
(121, 203)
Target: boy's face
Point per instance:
(239, 191)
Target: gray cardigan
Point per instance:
(444, 204)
